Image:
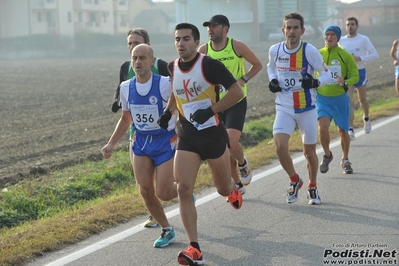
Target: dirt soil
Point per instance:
(55, 112)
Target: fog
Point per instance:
(54, 28)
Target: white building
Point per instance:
(62, 17)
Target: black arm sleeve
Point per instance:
(217, 73)
(124, 69)
(170, 68)
(163, 68)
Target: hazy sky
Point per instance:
(349, 1)
(345, 1)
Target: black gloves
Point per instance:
(273, 86)
(163, 120)
(202, 115)
(345, 86)
(309, 82)
(116, 105)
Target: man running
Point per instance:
(362, 51)
(201, 134)
(143, 100)
(292, 67)
(333, 100)
(232, 54)
(395, 56)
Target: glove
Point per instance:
(202, 115)
(273, 86)
(309, 82)
(163, 120)
(116, 105)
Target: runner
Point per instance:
(362, 51)
(201, 134)
(333, 100)
(291, 68)
(232, 54)
(143, 100)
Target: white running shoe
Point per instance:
(367, 125)
(246, 174)
(352, 134)
(313, 196)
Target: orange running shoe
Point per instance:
(235, 198)
(190, 256)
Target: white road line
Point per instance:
(138, 228)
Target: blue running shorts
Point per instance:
(336, 108)
(362, 78)
(159, 148)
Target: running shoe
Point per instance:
(235, 198)
(367, 125)
(190, 256)
(352, 134)
(241, 189)
(246, 173)
(347, 166)
(151, 222)
(292, 191)
(313, 196)
(324, 164)
(167, 236)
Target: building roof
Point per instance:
(152, 13)
(370, 4)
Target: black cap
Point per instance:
(217, 20)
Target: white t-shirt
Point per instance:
(361, 46)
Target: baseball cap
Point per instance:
(217, 20)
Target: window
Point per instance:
(69, 14)
(92, 17)
(105, 17)
(49, 19)
(123, 20)
(39, 17)
(80, 17)
(96, 2)
(87, 1)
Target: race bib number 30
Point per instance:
(190, 108)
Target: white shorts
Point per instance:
(286, 120)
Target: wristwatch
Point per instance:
(245, 78)
(345, 84)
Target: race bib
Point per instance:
(290, 80)
(145, 117)
(335, 72)
(190, 108)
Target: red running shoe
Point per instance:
(235, 198)
(190, 256)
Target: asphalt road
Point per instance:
(356, 224)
